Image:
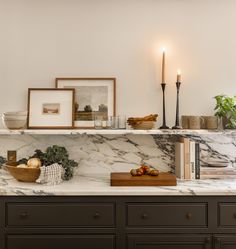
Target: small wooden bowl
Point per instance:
(24, 174)
(144, 125)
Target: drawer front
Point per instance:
(167, 214)
(180, 241)
(60, 242)
(59, 214)
(225, 241)
(227, 214)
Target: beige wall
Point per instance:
(44, 39)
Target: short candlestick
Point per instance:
(177, 124)
(164, 126)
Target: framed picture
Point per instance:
(94, 97)
(50, 108)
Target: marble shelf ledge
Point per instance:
(115, 132)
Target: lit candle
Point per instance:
(178, 75)
(163, 65)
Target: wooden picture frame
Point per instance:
(54, 112)
(106, 85)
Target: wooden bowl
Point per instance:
(24, 174)
(144, 125)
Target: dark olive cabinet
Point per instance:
(175, 241)
(225, 241)
(116, 222)
(60, 214)
(59, 242)
(167, 215)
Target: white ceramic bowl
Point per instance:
(14, 124)
(12, 118)
(24, 113)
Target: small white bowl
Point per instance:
(14, 124)
(15, 115)
(11, 118)
(24, 113)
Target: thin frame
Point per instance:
(91, 78)
(51, 127)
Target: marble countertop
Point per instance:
(99, 185)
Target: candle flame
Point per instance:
(163, 49)
(179, 72)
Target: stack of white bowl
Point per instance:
(15, 120)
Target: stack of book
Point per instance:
(187, 159)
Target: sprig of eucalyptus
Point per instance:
(226, 108)
(55, 154)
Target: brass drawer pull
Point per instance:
(207, 240)
(189, 216)
(217, 240)
(96, 215)
(144, 216)
(23, 215)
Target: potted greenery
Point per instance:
(226, 110)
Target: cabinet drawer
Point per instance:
(59, 214)
(180, 241)
(227, 214)
(60, 242)
(167, 214)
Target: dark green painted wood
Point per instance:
(167, 214)
(227, 214)
(60, 214)
(60, 242)
(118, 224)
(225, 241)
(169, 242)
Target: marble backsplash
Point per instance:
(114, 153)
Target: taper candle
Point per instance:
(163, 65)
(178, 75)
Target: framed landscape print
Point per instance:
(93, 97)
(50, 108)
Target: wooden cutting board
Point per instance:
(126, 179)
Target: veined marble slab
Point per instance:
(99, 153)
(99, 185)
(120, 153)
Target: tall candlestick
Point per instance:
(164, 126)
(163, 86)
(163, 65)
(177, 123)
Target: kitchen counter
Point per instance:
(99, 185)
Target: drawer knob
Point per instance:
(23, 215)
(207, 240)
(217, 240)
(97, 215)
(234, 215)
(144, 216)
(189, 216)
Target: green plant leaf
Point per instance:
(55, 154)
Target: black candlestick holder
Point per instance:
(164, 126)
(177, 124)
